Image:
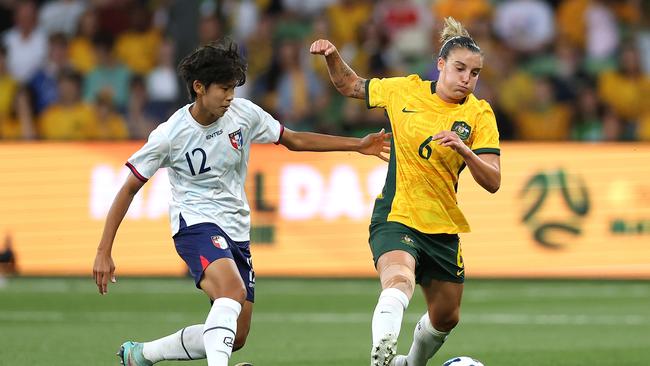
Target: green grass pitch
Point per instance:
(301, 322)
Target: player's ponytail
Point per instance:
(454, 35)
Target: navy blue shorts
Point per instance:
(201, 244)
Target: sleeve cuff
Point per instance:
(368, 94)
(281, 132)
(136, 173)
(487, 150)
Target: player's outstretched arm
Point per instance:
(104, 268)
(377, 144)
(346, 81)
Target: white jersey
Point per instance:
(207, 164)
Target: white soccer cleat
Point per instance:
(384, 352)
(399, 360)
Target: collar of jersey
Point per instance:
(438, 100)
(195, 122)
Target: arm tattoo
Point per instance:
(339, 71)
(359, 90)
(345, 79)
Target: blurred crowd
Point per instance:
(106, 69)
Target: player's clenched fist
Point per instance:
(322, 47)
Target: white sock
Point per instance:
(186, 344)
(219, 330)
(426, 342)
(388, 314)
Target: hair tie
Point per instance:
(449, 40)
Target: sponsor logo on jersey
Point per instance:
(236, 139)
(214, 134)
(462, 129)
(219, 242)
(404, 110)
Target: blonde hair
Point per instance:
(453, 28)
(454, 35)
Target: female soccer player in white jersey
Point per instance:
(439, 128)
(205, 147)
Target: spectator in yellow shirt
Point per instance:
(465, 11)
(18, 122)
(7, 84)
(544, 119)
(111, 125)
(81, 50)
(346, 18)
(138, 47)
(626, 90)
(69, 118)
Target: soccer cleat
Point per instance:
(130, 354)
(399, 360)
(244, 364)
(383, 353)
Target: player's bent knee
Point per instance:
(395, 276)
(237, 293)
(400, 281)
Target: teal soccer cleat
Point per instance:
(130, 354)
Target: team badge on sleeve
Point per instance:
(236, 139)
(219, 242)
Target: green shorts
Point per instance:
(437, 256)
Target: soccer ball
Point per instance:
(462, 361)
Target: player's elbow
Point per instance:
(490, 182)
(344, 89)
(292, 140)
(492, 187)
(347, 91)
(347, 86)
(292, 145)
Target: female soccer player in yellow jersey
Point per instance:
(439, 128)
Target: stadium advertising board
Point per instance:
(563, 210)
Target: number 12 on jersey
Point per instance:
(204, 157)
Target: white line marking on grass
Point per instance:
(322, 318)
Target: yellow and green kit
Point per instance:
(419, 197)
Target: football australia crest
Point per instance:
(462, 129)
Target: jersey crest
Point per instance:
(462, 129)
(236, 139)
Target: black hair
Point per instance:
(58, 38)
(214, 63)
(454, 35)
(103, 40)
(72, 75)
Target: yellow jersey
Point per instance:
(420, 188)
(74, 122)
